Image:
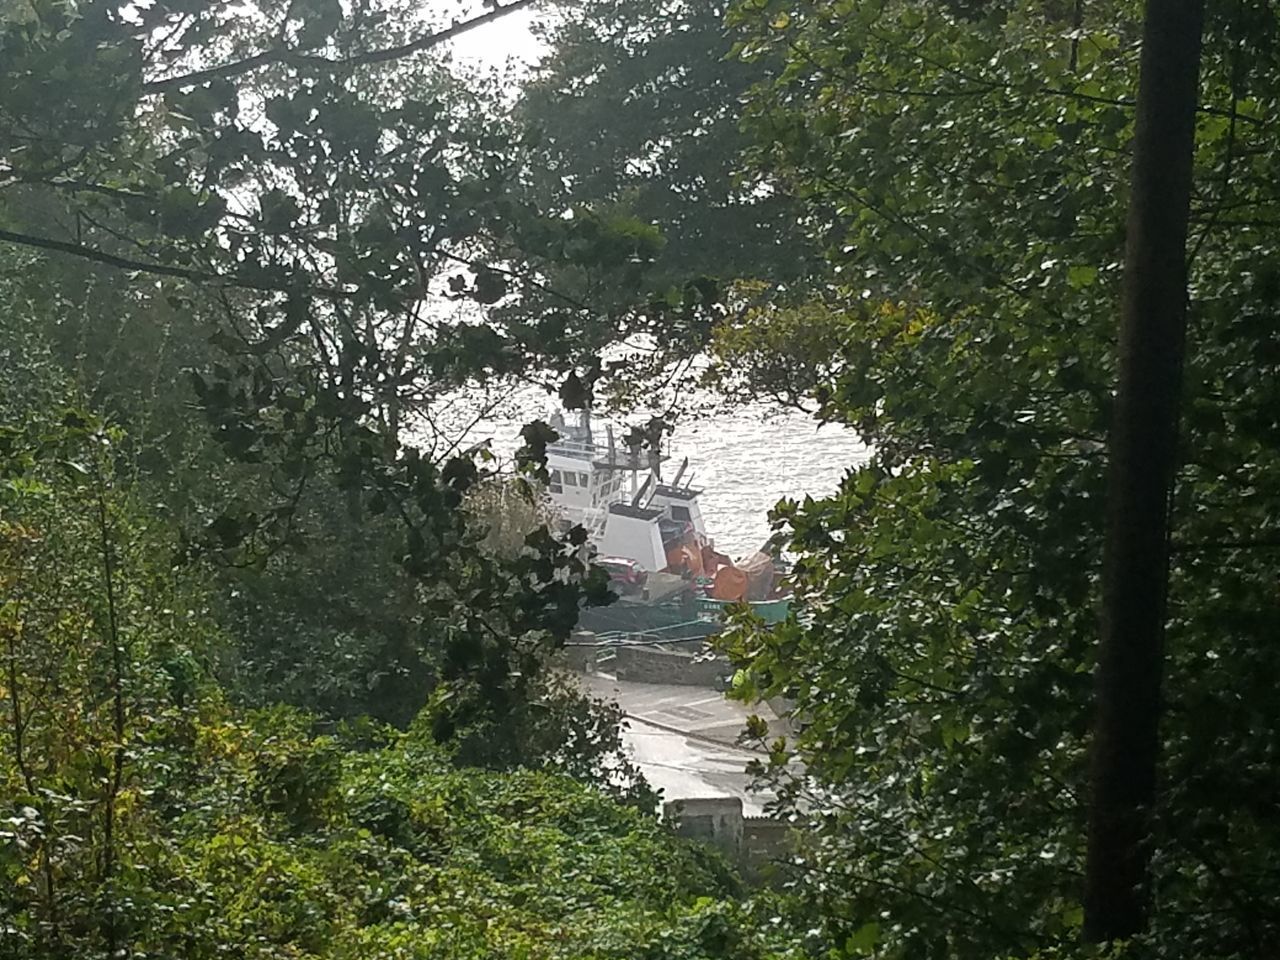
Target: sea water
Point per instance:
(744, 458)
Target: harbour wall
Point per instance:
(656, 665)
(756, 844)
(683, 664)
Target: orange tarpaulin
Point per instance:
(681, 558)
(713, 560)
(730, 584)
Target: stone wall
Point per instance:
(581, 653)
(755, 844)
(716, 821)
(655, 665)
(765, 841)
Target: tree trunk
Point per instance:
(1143, 452)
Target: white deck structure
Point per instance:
(619, 497)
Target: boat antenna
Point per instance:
(675, 482)
(635, 501)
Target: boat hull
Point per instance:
(770, 611)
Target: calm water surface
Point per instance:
(746, 462)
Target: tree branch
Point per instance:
(117, 704)
(1262, 543)
(280, 55)
(166, 270)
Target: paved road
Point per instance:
(685, 738)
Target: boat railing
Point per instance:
(584, 449)
(594, 520)
(652, 637)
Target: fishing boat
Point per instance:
(649, 532)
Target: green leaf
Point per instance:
(863, 941)
(1081, 276)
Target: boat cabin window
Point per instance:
(584, 480)
(680, 513)
(571, 479)
(555, 484)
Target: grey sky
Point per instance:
(504, 39)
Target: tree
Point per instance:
(628, 136)
(1143, 458)
(636, 109)
(972, 162)
(275, 188)
(147, 814)
(295, 193)
(509, 511)
(105, 665)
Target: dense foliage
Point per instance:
(274, 639)
(244, 265)
(629, 130)
(254, 836)
(636, 110)
(975, 158)
(296, 199)
(145, 815)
